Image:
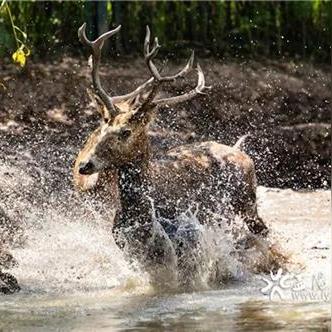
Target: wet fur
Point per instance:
(219, 179)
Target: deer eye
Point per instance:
(124, 134)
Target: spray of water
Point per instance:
(64, 242)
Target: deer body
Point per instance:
(218, 179)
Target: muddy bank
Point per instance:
(47, 104)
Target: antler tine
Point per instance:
(150, 55)
(200, 87)
(143, 87)
(99, 42)
(96, 47)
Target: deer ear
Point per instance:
(100, 105)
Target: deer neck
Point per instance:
(134, 189)
(134, 184)
(134, 218)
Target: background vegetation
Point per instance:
(299, 29)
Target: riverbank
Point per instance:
(285, 107)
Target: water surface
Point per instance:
(74, 278)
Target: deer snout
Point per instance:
(86, 168)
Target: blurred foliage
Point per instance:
(20, 37)
(298, 29)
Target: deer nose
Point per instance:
(86, 168)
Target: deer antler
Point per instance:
(186, 96)
(131, 95)
(156, 77)
(151, 85)
(96, 47)
(150, 55)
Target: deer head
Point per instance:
(122, 135)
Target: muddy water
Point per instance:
(74, 278)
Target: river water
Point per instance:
(73, 277)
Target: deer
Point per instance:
(116, 161)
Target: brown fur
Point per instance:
(200, 173)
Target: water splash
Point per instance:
(69, 250)
(197, 256)
(71, 255)
(66, 243)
